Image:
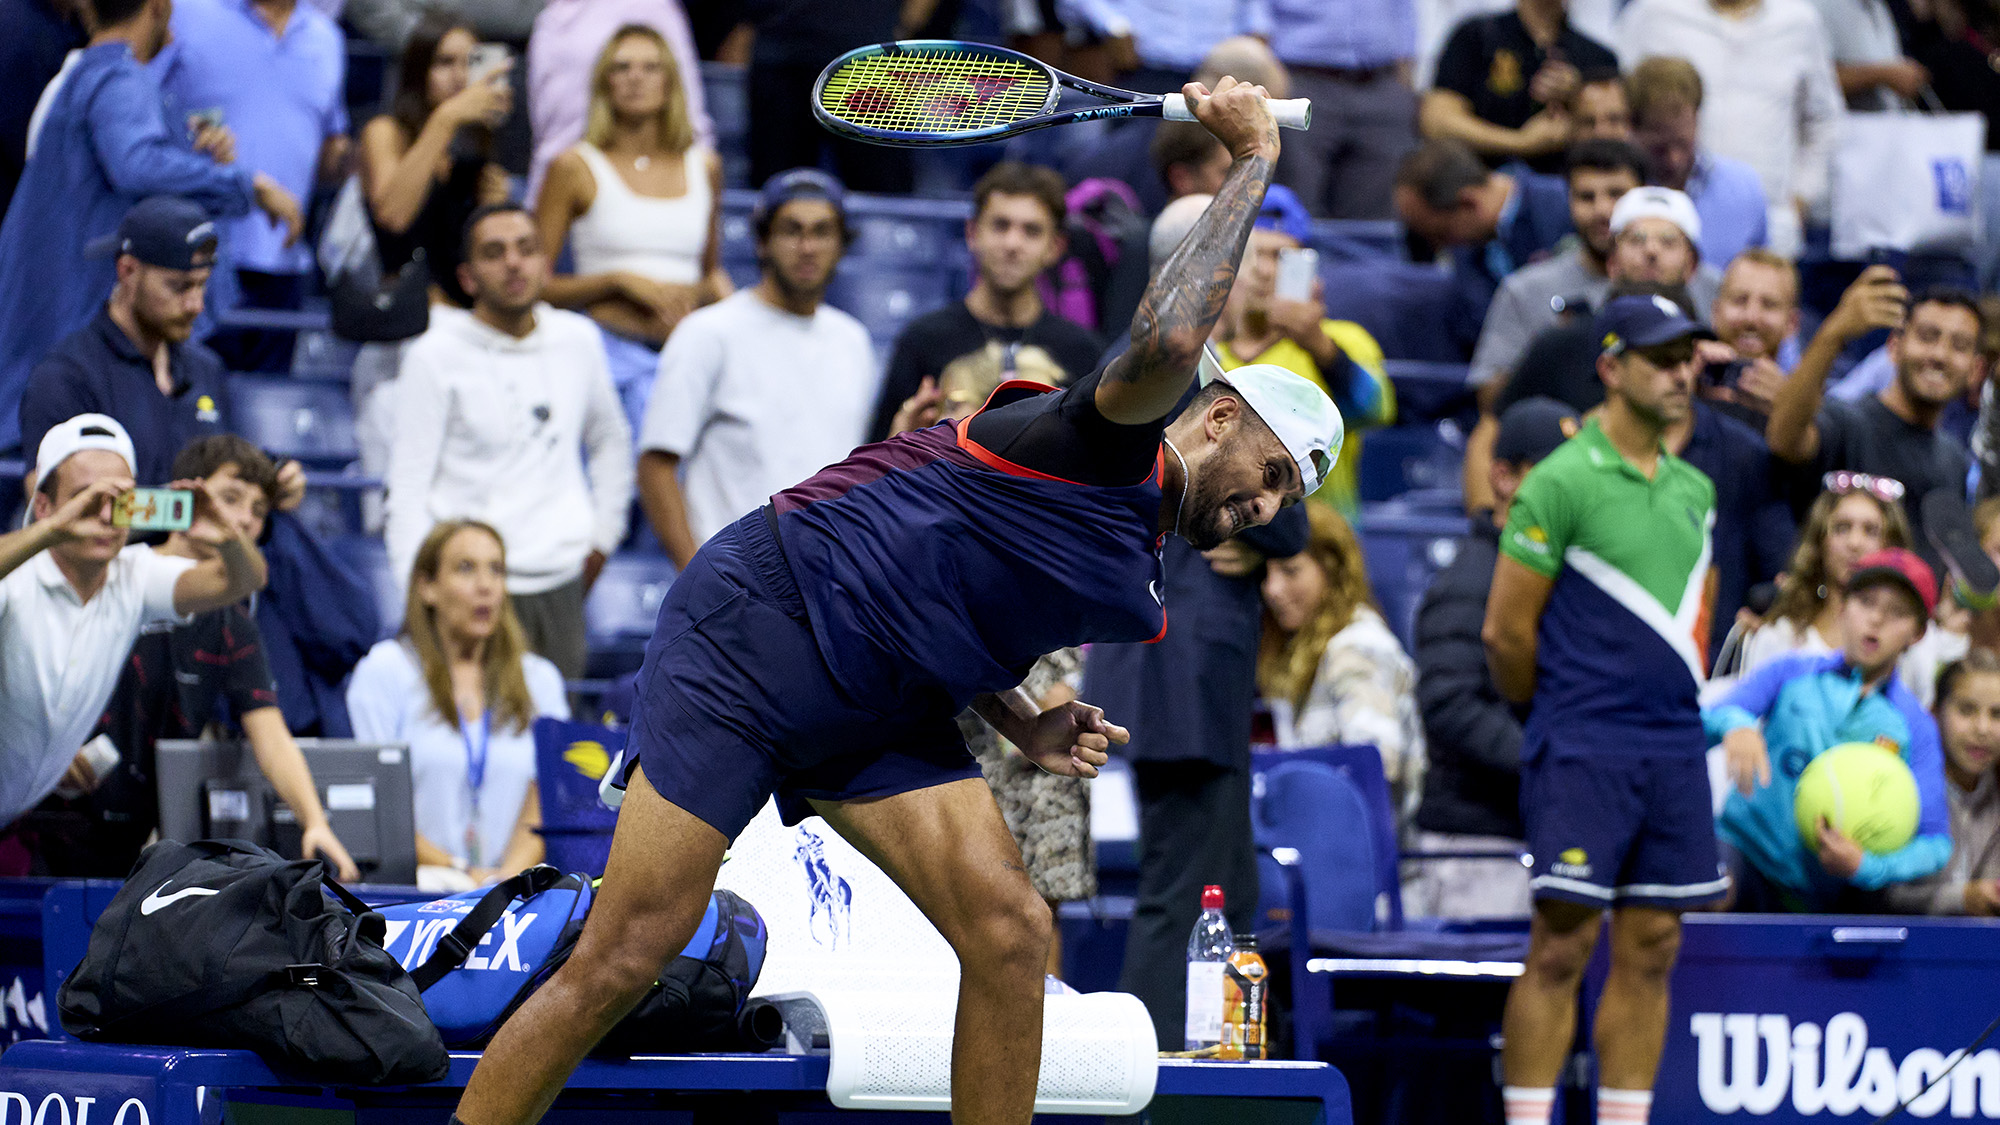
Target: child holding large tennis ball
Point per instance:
(1808, 704)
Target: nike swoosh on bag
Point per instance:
(156, 900)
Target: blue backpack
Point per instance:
(477, 956)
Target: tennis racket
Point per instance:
(923, 93)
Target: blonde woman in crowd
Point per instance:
(1855, 515)
(1328, 665)
(637, 201)
(461, 688)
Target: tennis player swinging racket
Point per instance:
(819, 648)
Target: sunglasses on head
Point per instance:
(1889, 490)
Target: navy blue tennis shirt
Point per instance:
(936, 569)
(100, 370)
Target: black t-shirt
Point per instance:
(1062, 434)
(1491, 60)
(1561, 363)
(172, 686)
(1867, 437)
(930, 342)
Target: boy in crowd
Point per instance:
(175, 685)
(1807, 704)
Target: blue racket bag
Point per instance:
(479, 955)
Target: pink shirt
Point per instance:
(568, 36)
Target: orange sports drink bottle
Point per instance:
(1245, 983)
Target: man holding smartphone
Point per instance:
(175, 685)
(1266, 323)
(73, 598)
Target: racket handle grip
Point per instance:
(1292, 113)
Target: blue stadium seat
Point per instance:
(885, 298)
(1357, 833)
(739, 240)
(1427, 390)
(306, 420)
(907, 230)
(1404, 305)
(1404, 551)
(1319, 812)
(570, 757)
(723, 87)
(621, 610)
(1327, 838)
(1397, 460)
(369, 557)
(1358, 240)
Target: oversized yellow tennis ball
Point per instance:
(1864, 790)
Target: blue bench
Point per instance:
(139, 1085)
(172, 1085)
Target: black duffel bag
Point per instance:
(221, 943)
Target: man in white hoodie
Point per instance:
(494, 405)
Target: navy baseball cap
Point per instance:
(798, 183)
(1645, 322)
(1282, 212)
(162, 230)
(1532, 428)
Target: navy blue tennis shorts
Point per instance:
(735, 702)
(1611, 831)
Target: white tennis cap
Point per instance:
(1657, 203)
(1295, 409)
(85, 431)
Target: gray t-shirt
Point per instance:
(1862, 31)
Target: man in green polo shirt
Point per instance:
(1598, 616)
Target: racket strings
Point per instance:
(935, 91)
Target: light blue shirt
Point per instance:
(282, 95)
(388, 701)
(1808, 704)
(104, 145)
(1350, 35)
(1168, 34)
(1730, 200)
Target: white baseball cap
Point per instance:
(85, 431)
(1295, 409)
(1657, 203)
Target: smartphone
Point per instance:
(154, 509)
(1296, 271)
(485, 59)
(201, 119)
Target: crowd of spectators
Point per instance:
(549, 329)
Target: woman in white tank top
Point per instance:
(636, 200)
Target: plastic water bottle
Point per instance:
(1209, 949)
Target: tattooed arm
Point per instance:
(1181, 305)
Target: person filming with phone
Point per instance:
(1275, 316)
(73, 599)
(204, 677)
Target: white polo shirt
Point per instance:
(60, 658)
